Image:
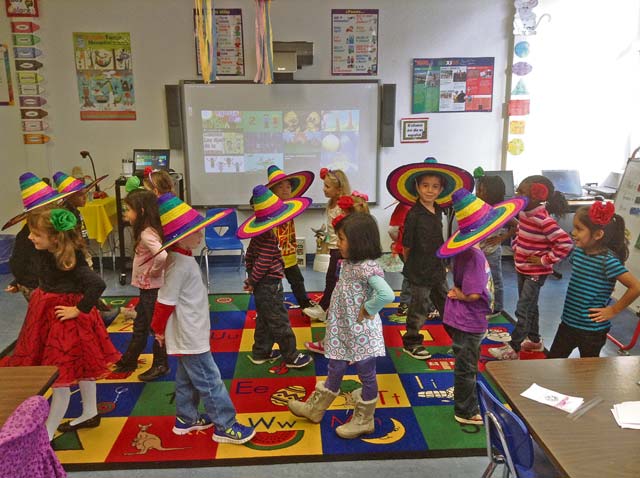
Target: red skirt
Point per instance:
(80, 347)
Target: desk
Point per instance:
(19, 383)
(593, 445)
(575, 204)
(100, 218)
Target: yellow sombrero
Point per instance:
(477, 220)
(270, 211)
(401, 183)
(65, 183)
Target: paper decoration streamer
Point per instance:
(264, 43)
(207, 39)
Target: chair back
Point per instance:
(225, 227)
(25, 450)
(505, 428)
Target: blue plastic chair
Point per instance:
(221, 236)
(508, 440)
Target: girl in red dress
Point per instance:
(62, 326)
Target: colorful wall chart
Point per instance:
(105, 76)
(230, 46)
(445, 85)
(22, 8)
(354, 42)
(6, 89)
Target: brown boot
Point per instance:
(361, 422)
(315, 406)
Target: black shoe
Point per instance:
(153, 373)
(90, 423)
(124, 368)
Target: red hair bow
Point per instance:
(345, 202)
(148, 170)
(360, 195)
(337, 219)
(323, 173)
(601, 212)
(539, 192)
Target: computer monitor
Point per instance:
(507, 178)
(156, 158)
(567, 181)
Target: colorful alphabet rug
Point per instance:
(414, 415)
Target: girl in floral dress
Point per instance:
(354, 328)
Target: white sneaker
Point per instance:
(315, 312)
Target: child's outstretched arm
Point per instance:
(632, 284)
(382, 295)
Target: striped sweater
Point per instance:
(538, 234)
(263, 258)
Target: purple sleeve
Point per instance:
(474, 279)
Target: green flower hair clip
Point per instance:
(63, 220)
(133, 184)
(478, 172)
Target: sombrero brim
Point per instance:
(20, 217)
(502, 213)
(205, 222)
(251, 227)
(300, 182)
(93, 183)
(401, 181)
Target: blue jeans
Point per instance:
(198, 377)
(527, 311)
(405, 291)
(495, 263)
(466, 350)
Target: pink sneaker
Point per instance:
(504, 353)
(317, 347)
(529, 346)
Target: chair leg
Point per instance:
(491, 467)
(206, 267)
(241, 258)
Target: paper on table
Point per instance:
(621, 423)
(628, 412)
(551, 398)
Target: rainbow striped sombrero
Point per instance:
(65, 183)
(35, 193)
(270, 212)
(300, 181)
(401, 183)
(477, 220)
(180, 220)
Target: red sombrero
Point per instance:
(300, 181)
(401, 183)
(477, 220)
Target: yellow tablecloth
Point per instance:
(100, 218)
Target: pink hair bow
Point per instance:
(360, 195)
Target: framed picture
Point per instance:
(22, 8)
(414, 130)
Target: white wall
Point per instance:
(584, 90)
(163, 53)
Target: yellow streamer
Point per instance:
(206, 41)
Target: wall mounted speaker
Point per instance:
(388, 115)
(174, 115)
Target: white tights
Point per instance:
(60, 403)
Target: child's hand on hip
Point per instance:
(601, 314)
(455, 293)
(364, 314)
(160, 340)
(65, 313)
(534, 260)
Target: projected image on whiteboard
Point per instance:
(250, 141)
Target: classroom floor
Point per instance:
(229, 279)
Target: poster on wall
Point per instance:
(354, 42)
(414, 130)
(22, 8)
(6, 89)
(447, 85)
(230, 45)
(105, 76)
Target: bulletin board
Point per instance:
(628, 206)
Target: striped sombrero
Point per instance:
(300, 181)
(35, 193)
(270, 211)
(477, 220)
(65, 183)
(401, 183)
(180, 220)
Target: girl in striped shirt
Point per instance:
(598, 263)
(539, 244)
